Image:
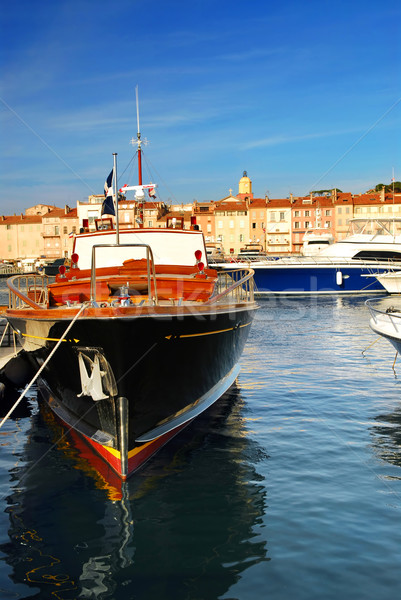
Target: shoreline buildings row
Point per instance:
(278, 225)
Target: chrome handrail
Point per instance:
(33, 283)
(243, 287)
(394, 319)
(306, 260)
(149, 261)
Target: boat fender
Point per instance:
(339, 278)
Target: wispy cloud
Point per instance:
(276, 140)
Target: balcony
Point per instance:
(50, 235)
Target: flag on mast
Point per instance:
(108, 202)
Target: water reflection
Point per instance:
(185, 526)
(387, 437)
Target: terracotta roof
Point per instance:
(73, 214)
(235, 205)
(257, 203)
(20, 219)
(316, 202)
(279, 203)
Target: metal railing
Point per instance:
(234, 284)
(28, 290)
(386, 314)
(306, 260)
(150, 267)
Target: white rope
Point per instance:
(4, 333)
(43, 366)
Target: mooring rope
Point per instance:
(43, 366)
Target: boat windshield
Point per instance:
(375, 227)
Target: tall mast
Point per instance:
(138, 142)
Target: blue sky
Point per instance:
(303, 95)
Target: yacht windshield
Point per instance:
(375, 227)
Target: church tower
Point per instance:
(245, 187)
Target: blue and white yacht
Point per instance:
(350, 266)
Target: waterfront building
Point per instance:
(21, 237)
(39, 209)
(58, 228)
(231, 223)
(278, 226)
(311, 213)
(204, 217)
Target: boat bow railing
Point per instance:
(234, 284)
(28, 290)
(387, 314)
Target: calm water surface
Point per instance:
(288, 488)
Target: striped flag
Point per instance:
(108, 203)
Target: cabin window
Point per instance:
(377, 254)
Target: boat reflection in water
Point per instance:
(184, 527)
(387, 438)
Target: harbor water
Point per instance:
(288, 488)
